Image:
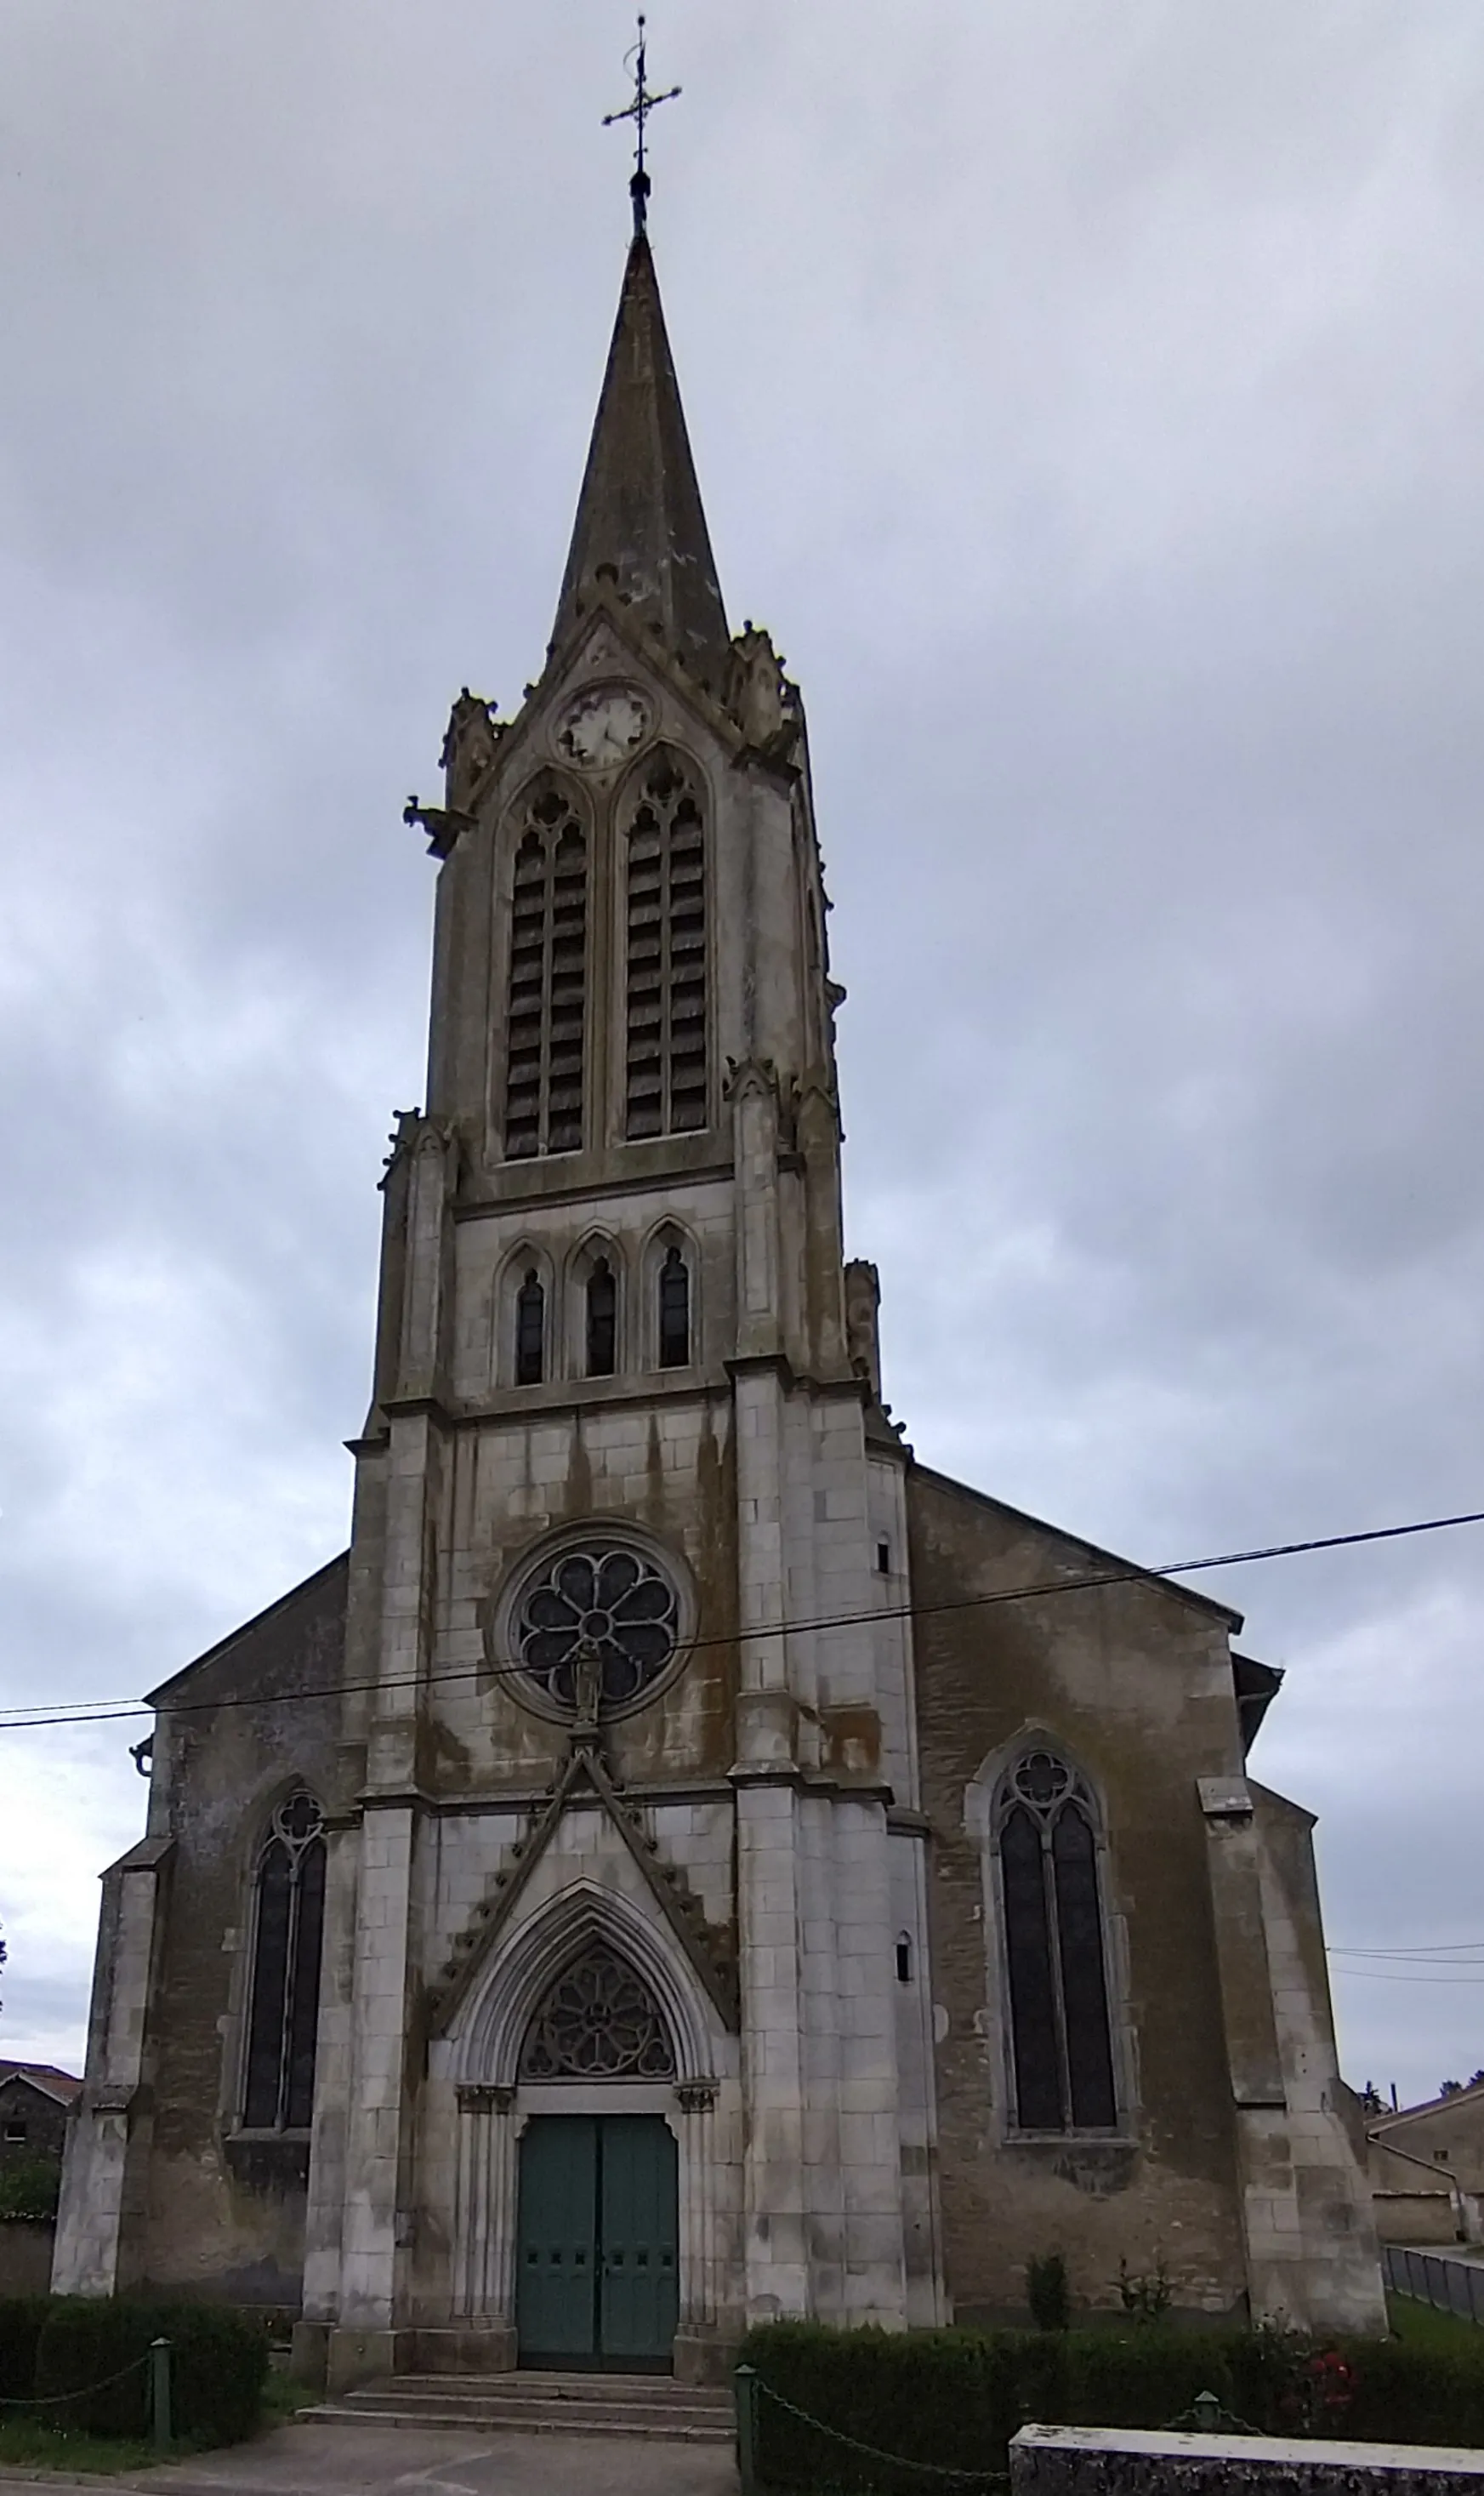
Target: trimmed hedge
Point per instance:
(219, 2363)
(20, 2328)
(955, 2398)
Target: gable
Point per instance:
(296, 1643)
(21, 2081)
(1048, 1554)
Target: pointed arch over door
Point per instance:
(666, 978)
(598, 2020)
(492, 2026)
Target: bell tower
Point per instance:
(628, 1505)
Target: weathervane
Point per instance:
(638, 112)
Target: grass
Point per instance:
(1426, 2328)
(26, 2445)
(283, 2398)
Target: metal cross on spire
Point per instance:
(638, 112)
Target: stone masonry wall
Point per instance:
(1134, 1682)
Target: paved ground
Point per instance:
(355, 2461)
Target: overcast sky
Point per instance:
(1088, 393)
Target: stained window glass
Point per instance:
(530, 1331)
(674, 1311)
(602, 1320)
(1061, 2044)
(284, 2009)
(614, 1599)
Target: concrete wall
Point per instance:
(1123, 2461)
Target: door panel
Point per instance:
(556, 2245)
(639, 2295)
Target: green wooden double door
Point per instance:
(597, 2273)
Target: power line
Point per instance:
(101, 1711)
(1382, 1976)
(1421, 1952)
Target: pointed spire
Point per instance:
(639, 518)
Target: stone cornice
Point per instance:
(706, 1168)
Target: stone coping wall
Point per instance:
(1124, 2461)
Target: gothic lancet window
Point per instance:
(530, 1331)
(602, 1320)
(665, 984)
(284, 2010)
(674, 1288)
(545, 1026)
(1062, 2051)
(599, 2021)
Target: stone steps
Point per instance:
(540, 2404)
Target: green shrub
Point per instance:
(955, 2398)
(30, 2188)
(1048, 2294)
(20, 2327)
(219, 2362)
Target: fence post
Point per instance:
(160, 2394)
(747, 2429)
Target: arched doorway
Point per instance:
(597, 2252)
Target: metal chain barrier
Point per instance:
(50, 2400)
(896, 2460)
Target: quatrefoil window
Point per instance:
(613, 1600)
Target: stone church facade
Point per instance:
(688, 1861)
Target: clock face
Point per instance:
(602, 727)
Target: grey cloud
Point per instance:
(1090, 401)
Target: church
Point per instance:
(688, 1861)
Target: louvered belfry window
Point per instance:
(666, 988)
(547, 1025)
(1061, 2043)
(284, 2011)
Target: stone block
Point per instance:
(1124, 2461)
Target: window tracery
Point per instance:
(665, 985)
(284, 2005)
(1060, 2041)
(546, 1017)
(612, 1598)
(599, 2021)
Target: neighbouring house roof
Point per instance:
(62, 2087)
(1470, 2095)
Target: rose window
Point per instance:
(600, 2022)
(612, 1604)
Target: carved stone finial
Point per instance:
(763, 703)
(469, 746)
